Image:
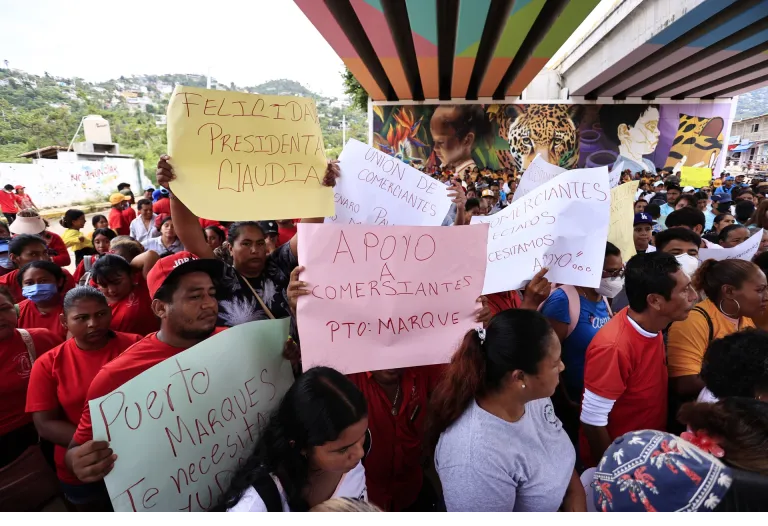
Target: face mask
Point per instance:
(688, 263)
(610, 287)
(6, 263)
(40, 292)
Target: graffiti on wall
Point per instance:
(645, 137)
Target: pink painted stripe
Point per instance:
(753, 74)
(375, 25)
(323, 20)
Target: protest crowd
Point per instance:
(662, 367)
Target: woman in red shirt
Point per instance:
(30, 222)
(43, 284)
(60, 379)
(102, 239)
(17, 434)
(126, 292)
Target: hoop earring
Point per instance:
(738, 309)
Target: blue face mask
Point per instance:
(40, 292)
(5, 262)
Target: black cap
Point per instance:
(269, 227)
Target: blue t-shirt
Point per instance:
(592, 316)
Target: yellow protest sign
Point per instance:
(622, 218)
(695, 176)
(239, 156)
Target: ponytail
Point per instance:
(460, 384)
(712, 275)
(515, 340)
(69, 216)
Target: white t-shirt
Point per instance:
(706, 396)
(352, 485)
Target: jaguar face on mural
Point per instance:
(499, 136)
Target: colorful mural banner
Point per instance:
(509, 136)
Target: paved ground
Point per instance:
(55, 227)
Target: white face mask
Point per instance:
(688, 263)
(610, 287)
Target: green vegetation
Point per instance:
(39, 111)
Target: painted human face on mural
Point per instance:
(453, 147)
(642, 138)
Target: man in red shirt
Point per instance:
(24, 249)
(118, 221)
(397, 407)
(182, 287)
(8, 203)
(625, 371)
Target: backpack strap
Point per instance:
(574, 306)
(709, 322)
(608, 306)
(29, 343)
(267, 490)
(87, 263)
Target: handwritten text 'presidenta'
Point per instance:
(235, 148)
(561, 225)
(384, 297)
(182, 430)
(378, 189)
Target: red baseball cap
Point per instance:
(179, 264)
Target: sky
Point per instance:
(242, 41)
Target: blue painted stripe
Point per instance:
(422, 15)
(732, 26)
(752, 41)
(690, 20)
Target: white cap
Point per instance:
(658, 183)
(689, 189)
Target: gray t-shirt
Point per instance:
(488, 464)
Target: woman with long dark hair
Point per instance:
(73, 221)
(309, 452)
(501, 447)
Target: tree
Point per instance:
(355, 91)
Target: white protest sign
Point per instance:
(561, 225)
(378, 189)
(745, 250)
(537, 173)
(182, 428)
(614, 178)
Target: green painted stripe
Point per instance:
(518, 25)
(571, 17)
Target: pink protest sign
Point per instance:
(387, 297)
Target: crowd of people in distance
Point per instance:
(663, 367)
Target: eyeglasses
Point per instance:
(613, 273)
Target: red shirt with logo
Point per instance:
(60, 379)
(623, 365)
(133, 313)
(11, 282)
(15, 368)
(148, 352)
(30, 317)
(393, 465)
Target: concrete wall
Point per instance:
(51, 182)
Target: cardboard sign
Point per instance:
(745, 250)
(695, 176)
(561, 225)
(537, 173)
(620, 231)
(241, 157)
(387, 297)
(182, 428)
(378, 189)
